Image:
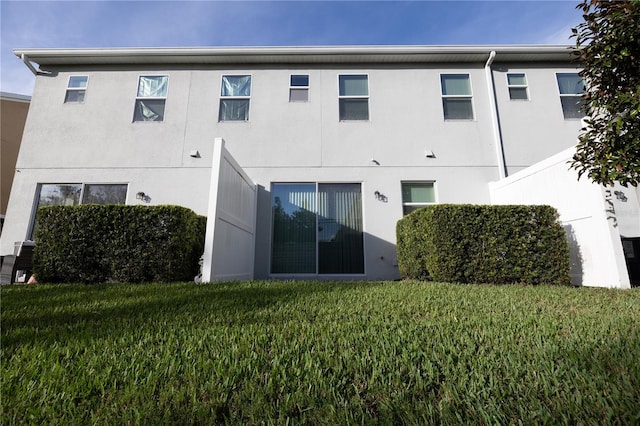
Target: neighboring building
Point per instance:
(327, 146)
(13, 114)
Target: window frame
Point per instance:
(354, 97)
(76, 89)
(416, 205)
(154, 98)
(293, 88)
(570, 95)
(524, 86)
(227, 97)
(38, 193)
(445, 97)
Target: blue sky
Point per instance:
(64, 24)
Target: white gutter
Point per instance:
(287, 54)
(29, 65)
(497, 137)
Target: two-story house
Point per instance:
(335, 143)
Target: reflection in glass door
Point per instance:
(317, 228)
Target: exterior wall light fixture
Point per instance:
(143, 197)
(380, 196)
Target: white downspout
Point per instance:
(29, 65)
(497, 137)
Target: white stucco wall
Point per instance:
(592, 227)
(533, 129)
(97, 142)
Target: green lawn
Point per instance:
(319, 353)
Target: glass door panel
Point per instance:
(294, 228)
(340, 239)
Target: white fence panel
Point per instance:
(596, 249)
(230, 238)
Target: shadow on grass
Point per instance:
(62, 312)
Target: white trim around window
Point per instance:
(299, 87)
(76, 89)
(517, 86)
(235, 97)
(457, 96)
(417, 194)
(353, 97)
(151, 97)
(71, 194)
(571, 89)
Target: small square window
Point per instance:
(517, 84)
(151, 98)
(571, 88)
(416, 195)
(235, 95)
(76, 89)
(353, 97)
(456, 96)
(299, 88)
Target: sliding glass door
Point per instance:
(317, 228)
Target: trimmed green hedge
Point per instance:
(104, 243)
(484, 244)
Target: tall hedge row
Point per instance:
(484, 244)
(103, 243)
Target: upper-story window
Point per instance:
(517, 84)
(353, 97)
(151, 98)
(299, 88)
(235, 95)
(456, 96)
(76, 89)
(571, 87)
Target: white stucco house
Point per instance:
(304, 158)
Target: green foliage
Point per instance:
(608, 44)
(483, 244)
(98, 243)
(320, 353)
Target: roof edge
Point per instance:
(301, 54)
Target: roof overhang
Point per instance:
(297, 55)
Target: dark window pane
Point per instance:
(570, 84)
(457, 109)
(408, 209)
(299, 80)
(149, 110)
(571, 106)
(354, 85)
(517, 79)
(354, 109)
(234, 109)
(104, 194)
(78, 81)
(455, 84)
(56, 195)
(340, 236)
(294, 229)
(518, 93)
(418, 192)
(74, 96)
